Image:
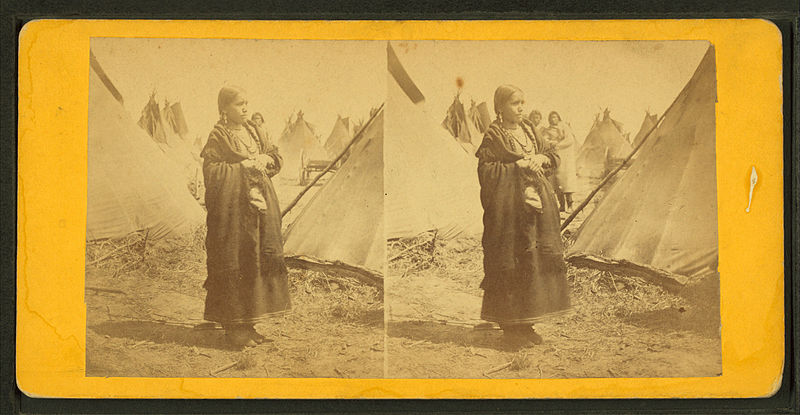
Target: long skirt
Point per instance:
(537, 287)
(259, 288)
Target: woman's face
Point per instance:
(554, 119)
(236, 111)
(537, 118)
(514, 108)
(258, 120)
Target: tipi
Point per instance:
(151, 121)
(338, 138)
(342, 226)
(297, 142)
(174, 115)
(479, 114)
(431, 182)
(648, 123)
(603, 146)
(462, 125)
(165, 127)
(132, 184)
(660, 219)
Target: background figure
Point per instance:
(257, 119)
(247, 278)
(536, 120)
(258, 122)
(565, 179)
(524, 269)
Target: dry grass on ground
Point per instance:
(144, 299)
(621, 326)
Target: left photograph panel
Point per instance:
(235, 208)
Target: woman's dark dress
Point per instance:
(524, 268)
(247, 278)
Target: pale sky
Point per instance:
(576, 78)
(327, 78)
(322, 78)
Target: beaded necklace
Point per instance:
(511, 133)
(249, 143)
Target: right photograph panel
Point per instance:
(551, 209)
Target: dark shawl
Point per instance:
(523, 252)
(247, 278)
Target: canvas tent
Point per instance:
(174, 115)
(151, 121)
(299, 142)
(660, 219)
(647, 124)
(603, 146)
(342, 226)
(166, 123)
(479, 114)
(431, 183)
(132, 184)
(338, 138)
(462, 124)
(167, 126)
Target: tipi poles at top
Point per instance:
(333, 163)
(608, 177)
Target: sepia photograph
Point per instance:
(235, 208)
(540, 209)
(400, 209)
(410, 210)
(551, 210)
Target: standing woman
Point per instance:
(524, 269)
(566, 175)
(247, 278)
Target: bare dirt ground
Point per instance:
(145, 299)
(620, 326)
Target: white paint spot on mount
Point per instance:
(753, 181)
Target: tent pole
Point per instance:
(608, 177)
(330, 166)
(196, 183)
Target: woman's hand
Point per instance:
(538, 162)
(535, 163)
(249, 164)
(265, 161)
